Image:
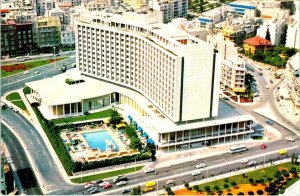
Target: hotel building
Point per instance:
(161, 77)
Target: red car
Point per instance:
(107, 186)
(263, 146)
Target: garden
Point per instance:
(15, 99)
(7, 70)
(53, 133)
(276, 56)
(267, 181)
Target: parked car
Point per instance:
(125, 191)
(290, 139)
(252, 163)
(196, 173)
(270, 122)
(263, 146)
(170, 182)
(148, 189)
(25, 72)
(120, 178)
(107, 186)
(88, 185)
(36, 73)
(121, 183)
(201, 165)
(94, 191)
(149, 170)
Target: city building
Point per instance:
(293, 35)
(16, 38)
(240, 8)
(212, 17)
(256, 43)
(48, 32)
(226, 48)
(233, 75)
(135, 4)
(67, 38)
(171, 8)
(293, 80)
(275, 28)
(98, 5)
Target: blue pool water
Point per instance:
(97, 140)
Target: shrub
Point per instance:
(260, 192)
(187, 185)
(277, 181)
(217, 188)
(226, 186)
(229, 194)
(196, 187)
(169, 191)
(251, 181)
(293, 170)
(233, 184)
(136, 191)
(269, 179)
(240, 194)
(226, 180)
(207, 188)
(250, 193)
(281, 178)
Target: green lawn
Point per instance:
(102, 114)
(29, 65)
(255, 175)
(20, 104)
(106, 175)
(13, 96)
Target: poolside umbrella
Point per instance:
(144, 134)
(135, 123)
(150, 141)
(129, 117)
(140, 128)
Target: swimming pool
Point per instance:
(97, 140)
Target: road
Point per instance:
(21, 162)
(18, 80)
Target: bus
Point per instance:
(240, 148)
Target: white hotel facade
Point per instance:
(165, 79)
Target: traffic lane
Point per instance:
(21, 162)
(38, 150)
(205, 173)
(20, 76)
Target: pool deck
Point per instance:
(83, 152)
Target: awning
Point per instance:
(129, 117)
(140, 128)
(150, 141)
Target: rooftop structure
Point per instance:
(183, 60)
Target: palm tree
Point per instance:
(115, 117)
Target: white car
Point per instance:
(87, 186)
(201, 165)
(103, 183)
(244, 160)
(170, 182)
(121, 183)
(252, 163)
(290, 139)
(36, 73)
(25, 72)
(149, 170)
(196, 173)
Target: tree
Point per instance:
(196, 188)
(187, 185)
(201, 6)
(283, 35)
(226, 186)
(293, 170)
(251, 180)
(207, 188)
(268, 36)
(233, 184)
(115, 117)
(169, 191)
(260, 192)
(211, 6)
(217, 188)
(135, 143)
(136, 190)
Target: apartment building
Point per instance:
(233, 75)
(171, 8)
(16, 38)
(275, 28)
(98, 5)
(293, 35)
(48, 32)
